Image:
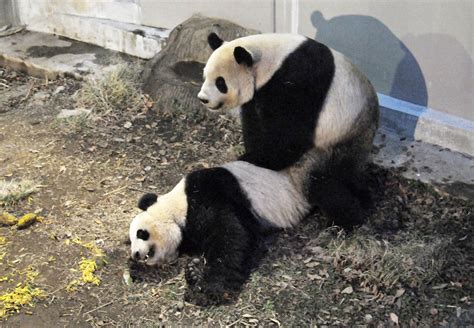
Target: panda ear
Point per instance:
(146, 201)
(242, 56)
(214, 41)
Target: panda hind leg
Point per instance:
(358, 185)
(336, 201)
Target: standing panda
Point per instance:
(304, 109)
(220, 213)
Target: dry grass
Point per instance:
(11, 192)
(116, 91)
(414, 263)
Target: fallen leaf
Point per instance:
(347, 290)
(316, 249)
(312, 264)
(441, 286)
(308, 260)
(394, 318)
(314, 276)
(399, 292)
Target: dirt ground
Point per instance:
(410, 265)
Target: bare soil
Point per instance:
(92, 171)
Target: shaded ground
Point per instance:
(411, 263)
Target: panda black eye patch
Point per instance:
(143, 234)
(221, 85)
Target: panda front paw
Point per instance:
(194, 272)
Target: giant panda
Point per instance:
(221, 213)
(304, 109)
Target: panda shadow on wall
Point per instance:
(379, 54)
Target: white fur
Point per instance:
(346, 99)
(172, 206)
(162, 220)
(272, 195)
(268, 53)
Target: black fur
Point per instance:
(146, 201)
(221, 226)
(143, 234)
(221, 85)
(242, 56)
(336, 183)
(279, 125)
(214, 41)
(280, 121)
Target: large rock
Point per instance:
(174, 76)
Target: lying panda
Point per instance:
(220, 213)
(304, 109)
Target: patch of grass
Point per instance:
(11, 192)
(117, 91)
(415, 262)
(75, 123)
(184, 116)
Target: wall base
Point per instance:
(428, 125)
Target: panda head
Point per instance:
(228, 75)
(155, 233)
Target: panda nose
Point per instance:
(136, 256)
(203, 100)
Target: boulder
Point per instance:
(173, 77)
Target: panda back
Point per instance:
(273, 197)
(347, 106)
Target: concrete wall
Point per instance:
(258, 15)
(420, 52)
(417, 51)
(8, 13)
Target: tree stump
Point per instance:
(174, 76)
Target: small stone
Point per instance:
(40, 95)
(66, 113)
(103, 144)
(127, 125)
(347, 290)
(368, 318)
(58, 90)
(127, 279)
(82, 69)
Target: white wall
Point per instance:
(417, 51)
